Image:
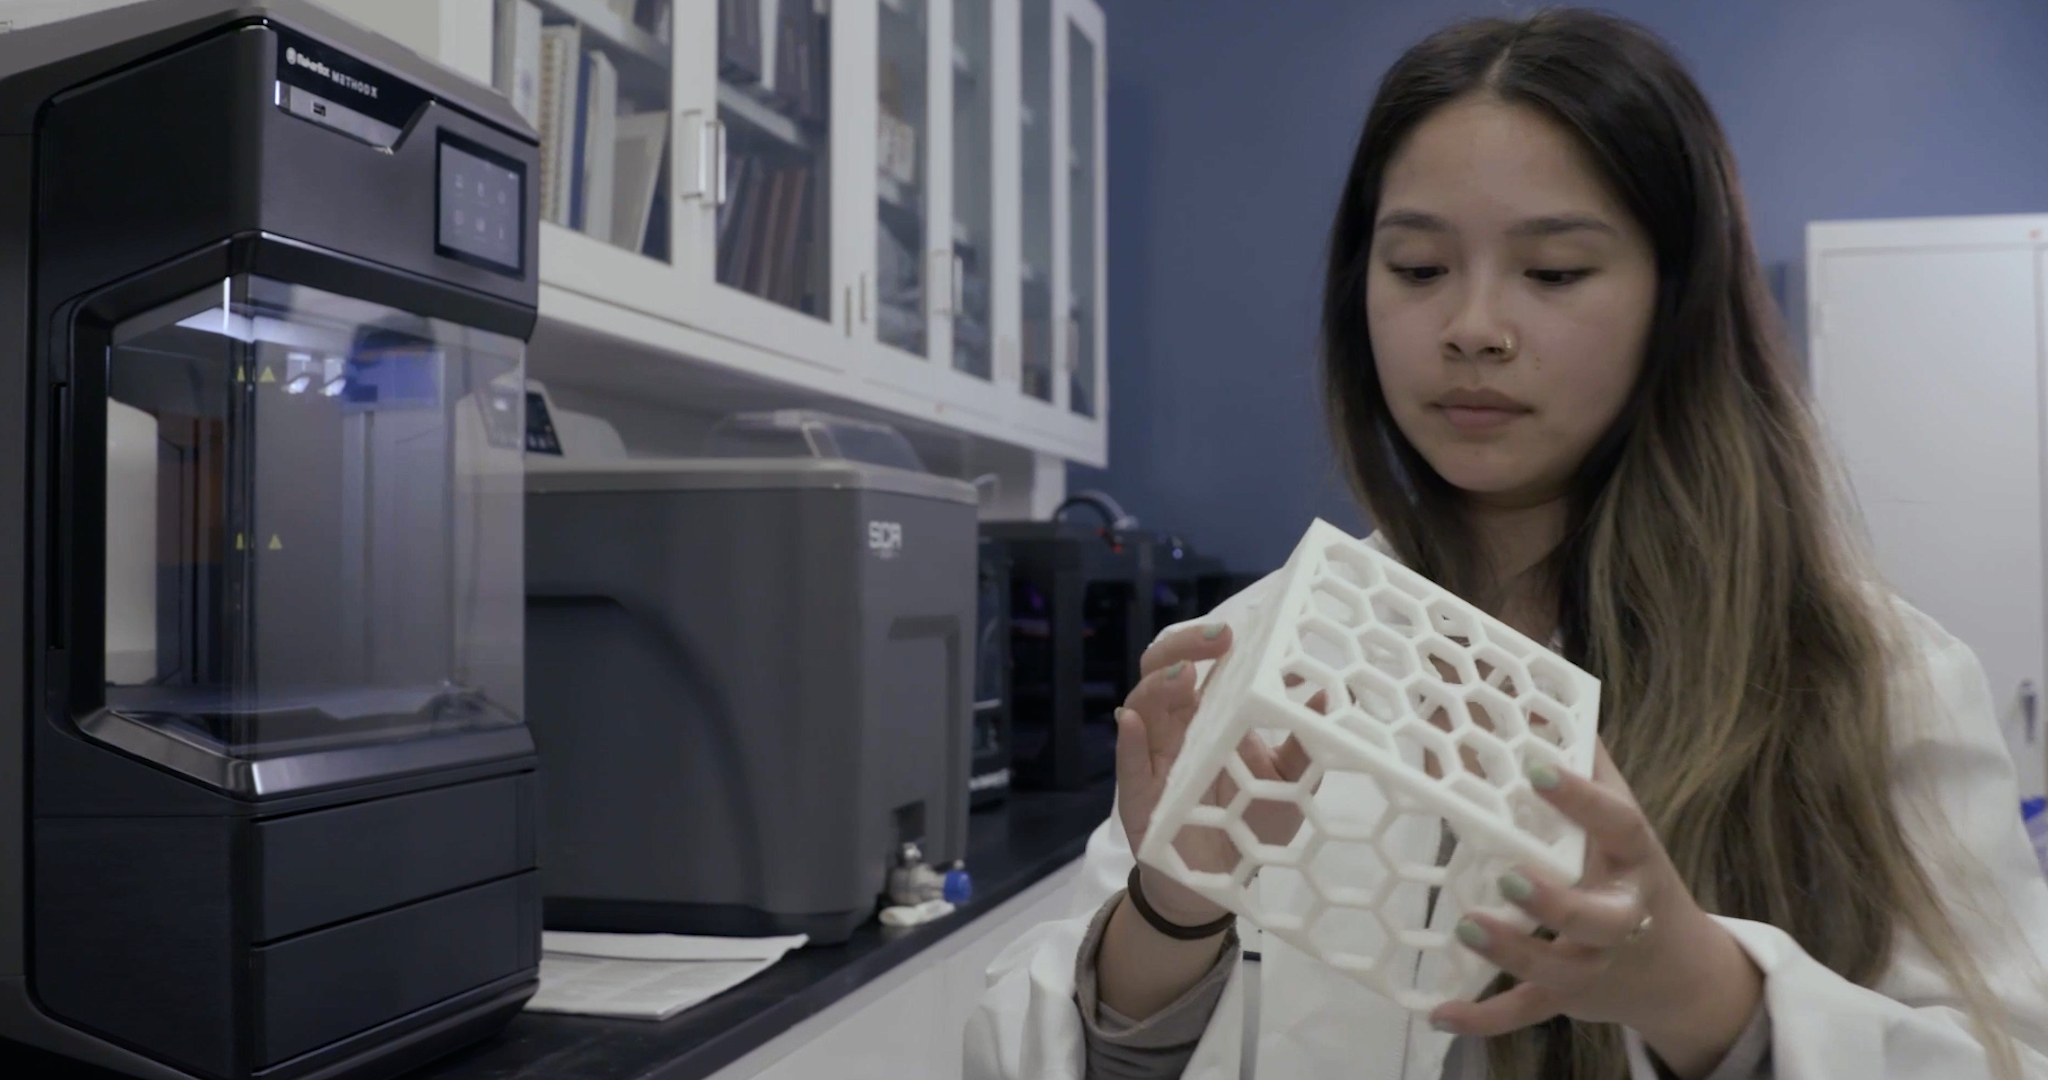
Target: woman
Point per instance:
(1555, 378)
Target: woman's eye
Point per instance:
(1557, 277)
(1417, 275)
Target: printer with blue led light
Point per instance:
(749, 674)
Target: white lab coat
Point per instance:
(1954, 785)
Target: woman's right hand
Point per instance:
(1150, 729)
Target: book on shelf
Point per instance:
(515, 56)
(896, 148)
(657, 17)
(789, 255)
(738, 176)
(560, 66)
(642, 145)
(730, 212)
(798, 55)
(741, 248)
(764, 229)
(766, 274)
(1036, 375)
(739, 40)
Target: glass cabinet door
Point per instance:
(769, 165)
(594, 78)
(973, 227)
(903, 190)
(1035, 259)
(1081, 314)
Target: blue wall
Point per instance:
(1231, 123)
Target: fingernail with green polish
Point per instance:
(1174, 671)
(1471, 934)
(1516, 887)
(1213, 632)
(1543, 776)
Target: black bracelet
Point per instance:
(1173, 929)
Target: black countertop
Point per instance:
(1010, 847)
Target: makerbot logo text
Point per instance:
(296, 58)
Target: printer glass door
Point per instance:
(314, 531)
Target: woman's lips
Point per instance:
(1477, 418)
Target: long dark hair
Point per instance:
(1704, 575)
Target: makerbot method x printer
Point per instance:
(269, 796)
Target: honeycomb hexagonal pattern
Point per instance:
(1419, 714)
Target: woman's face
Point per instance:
(1509, 298)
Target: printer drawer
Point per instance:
(326, 866)
(332, 983)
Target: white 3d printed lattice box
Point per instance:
(1419, 714)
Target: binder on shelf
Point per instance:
(642, 143)
(560, 63)
(579, 122)
(597, 147)
(515, 56)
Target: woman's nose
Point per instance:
(1478, 332)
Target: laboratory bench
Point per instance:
(828, 1004)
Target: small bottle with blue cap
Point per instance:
(959, 887)
(2034, 812)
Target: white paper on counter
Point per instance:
(646, 976)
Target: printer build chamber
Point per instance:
(751, 678)
(312, 534)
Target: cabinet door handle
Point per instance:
(936, 291)
(718, 161)
(702, 186)
(959, 269)
(2030, 701)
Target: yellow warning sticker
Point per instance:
(268, 375)
(238, 542)
(275, 543)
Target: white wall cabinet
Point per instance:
(1927, 366)
(893, 204)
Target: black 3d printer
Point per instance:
(1085, 600)
(270, 804)
(990, 773)
(1080, 617)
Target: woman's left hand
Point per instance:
(1632, 945)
